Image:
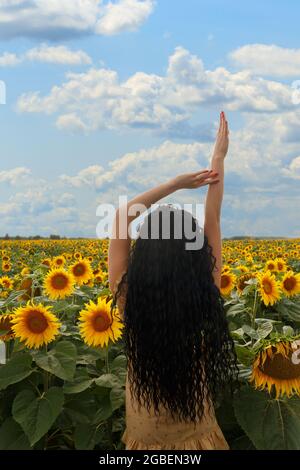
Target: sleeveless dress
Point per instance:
(146, 430)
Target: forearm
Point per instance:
(215, 192)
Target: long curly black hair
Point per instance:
(176, 339)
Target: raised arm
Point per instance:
(213, 204)
(120, 241)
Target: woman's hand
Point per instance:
(222, 141)
(194, 180)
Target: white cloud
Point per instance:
(56, 19)
(143, 167)
(126, 15)
(267, 59)
(89, 177)
(72, 122)
(47, 54)
(261, 185)
(185, 67)
(8, 59)
(15, 175)
(57, 55)
(256, 155)
(293, 170)
(260, 197)
(40, 209)
(97, 99)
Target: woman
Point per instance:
(180, 354)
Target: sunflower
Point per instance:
(241, 282)
(268, 288)
(59, 261)
(281, 265)
(273, 367)
(249, 258)
(98, 278)
(46, 262)
(30, 291)
(242, 268)
(98, 324)
(226, 268)
(6, 282)
(6, 332)
(290, 283)
(6, 266)
(25, 271)
(35, 324)
(58, 284)
(227, 282)
(270, 265)
(82, 271)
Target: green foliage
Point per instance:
(59, 361)
(72, 396)
(17, 369)
(36, 414)
(269, 423)
(69, 396)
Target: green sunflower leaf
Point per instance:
(60, 361)
(245, 355)
(270, 424)
(108, 381)
(12, 436)
(117, 397)
(78, 385)
(86, 436)
(37, 414)
(15, 370)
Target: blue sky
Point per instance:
(108, 98)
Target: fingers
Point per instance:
(213, 182)
(201, 172)
(227, 128)
(210, 178)
(223, 122)
(223, 128)
(210, 181)
(202, 175)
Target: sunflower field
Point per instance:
(62, 366)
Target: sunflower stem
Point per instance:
(46, 376)
(254, 311)
(36, 388)
(9, 348)
(7, 351)
(109, 421)
(106, 360)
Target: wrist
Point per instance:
(172, 185)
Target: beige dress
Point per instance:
(145, 430)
